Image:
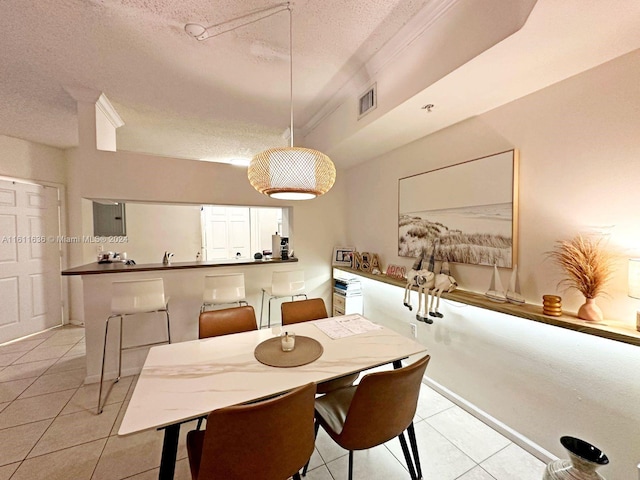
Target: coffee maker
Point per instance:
(284, 248)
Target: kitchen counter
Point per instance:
(183, 286)
(120, 267)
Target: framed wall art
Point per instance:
(342, 256)
(468, 211)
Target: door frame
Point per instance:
(62, 232)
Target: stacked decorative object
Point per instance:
(583, 461)
(552, 305)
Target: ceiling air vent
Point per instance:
(367, 102)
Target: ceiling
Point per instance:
(228, 96)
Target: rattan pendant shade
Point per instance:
(292, 173)
(288, 173)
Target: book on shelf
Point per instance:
(344, 293)
(348, 288)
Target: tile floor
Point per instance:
(48, 429)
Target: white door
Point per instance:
(227, 232)
(239, 232)
(30, 282)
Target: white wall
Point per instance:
(152, 229)
(318, 225)
(33, 161)
(579, 169)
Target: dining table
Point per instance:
(184, 381)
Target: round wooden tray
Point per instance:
(270, 352)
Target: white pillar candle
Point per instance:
(288, 341)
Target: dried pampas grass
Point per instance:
(587, 265)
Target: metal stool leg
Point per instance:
(350, 464)
(407, 456)
(168, 325)
(316, 427)
(414, 447)
(261, 308)
(104, 355)
(120, 351)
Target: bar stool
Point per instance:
(283, 284)
(131, 297)
(223, 289)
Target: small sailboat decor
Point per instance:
(513, 292)
(496, 290)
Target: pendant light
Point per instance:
(291, 173)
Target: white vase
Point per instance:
(583, 461)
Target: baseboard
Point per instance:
(517, 438)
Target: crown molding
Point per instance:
(90, 95)
(109, 111)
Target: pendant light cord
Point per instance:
(291, 67)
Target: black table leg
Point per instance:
(169, 452)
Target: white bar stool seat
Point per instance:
(131, 297)
(223, 289)
(283, 284)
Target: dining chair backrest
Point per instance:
(226, 321)
(287, 284)
(272, 439)
(303, 311)
(383, 406)
(137, 296)
(226, 288)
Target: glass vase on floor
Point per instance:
(583, 461)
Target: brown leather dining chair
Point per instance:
(379, 408)
(226, 321)
(305, 311)
(267, 440)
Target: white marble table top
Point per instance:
(187, 380)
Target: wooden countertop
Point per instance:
(611, 329)
(119, 267)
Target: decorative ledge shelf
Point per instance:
(610, 329)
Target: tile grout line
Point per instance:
(54, 417)
(93, 472)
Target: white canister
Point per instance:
(275, 246)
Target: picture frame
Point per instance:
(342, 256)
(467, 211)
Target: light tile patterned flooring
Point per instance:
(48, 429)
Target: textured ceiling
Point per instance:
(226, 96)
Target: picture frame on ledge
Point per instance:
(343, 256)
